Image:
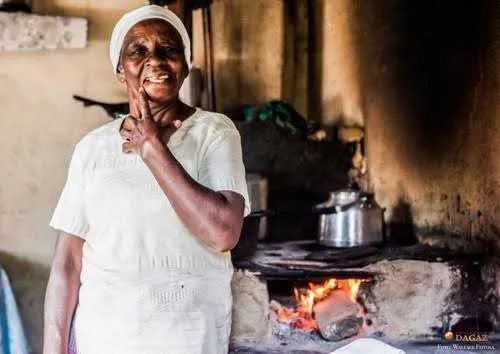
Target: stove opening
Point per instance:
(330, 307)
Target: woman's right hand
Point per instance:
(61, 296)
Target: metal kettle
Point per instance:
(355, 219)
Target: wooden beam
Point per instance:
(296, 59)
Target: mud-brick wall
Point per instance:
(429, 72)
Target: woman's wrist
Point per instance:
(151, 147)
(56, 348)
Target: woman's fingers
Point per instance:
(144, 105)
(177, 123)
(135, 131)
(129, 123)
(127, 147)
(126, 134)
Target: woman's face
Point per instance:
(153, 57)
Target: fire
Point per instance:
(303, 316)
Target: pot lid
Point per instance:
(344, 196)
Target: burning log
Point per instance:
(295, 319)
(337, 316)
(334, 304)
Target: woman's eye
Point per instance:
(164, 52)
(137, 51)
(172, 50)
(168, 51)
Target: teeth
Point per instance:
(158, 80)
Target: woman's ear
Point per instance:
(185, 71)
(120, 74)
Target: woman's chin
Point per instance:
(160, 93)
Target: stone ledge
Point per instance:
(250, 315)
(420, 300)
(21, 32)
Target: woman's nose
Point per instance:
(153, 60)
(157, 57)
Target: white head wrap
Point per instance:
(146, 13)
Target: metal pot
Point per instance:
(255, 225)
(257, 192)
(355, 219)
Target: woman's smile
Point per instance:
(162, 83)
(156, 79)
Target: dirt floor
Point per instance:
(427, 347)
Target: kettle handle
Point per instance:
(322, 209)
(261, 213)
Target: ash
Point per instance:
(286, 339)
(285, 334)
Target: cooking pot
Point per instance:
(257, 186)
(254, 227)
(355, 219)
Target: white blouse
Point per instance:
(147, 284)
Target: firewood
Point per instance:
(337, 316)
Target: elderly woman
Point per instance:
(152, 206)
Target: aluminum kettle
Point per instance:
(356, 220)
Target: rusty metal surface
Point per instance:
(308, 260)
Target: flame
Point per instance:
(303, 316)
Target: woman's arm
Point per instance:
(62, 293)
(214, 217)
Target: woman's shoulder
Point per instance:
(101, 134)
(98, 138)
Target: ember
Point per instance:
(302, 317)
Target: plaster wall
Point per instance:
(429, 75)
(40, 125)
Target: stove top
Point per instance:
(308, 259)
